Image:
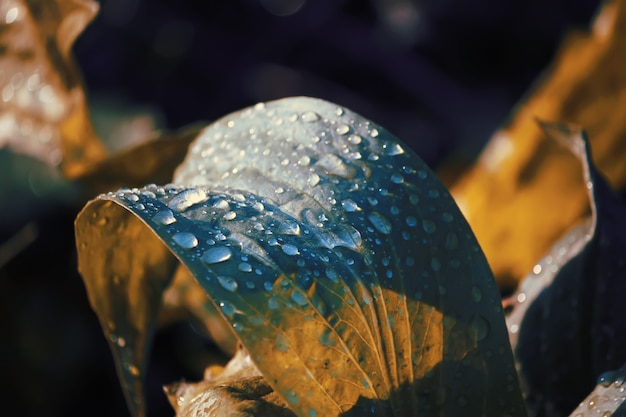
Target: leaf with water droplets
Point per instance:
(567, 323)
(608, 399)
(361, 292)
(523, 171)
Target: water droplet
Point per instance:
(332, 275)
(186, 199)
(447, 217)
(185, 240)
(258, 206)
(392, 149)
(350, 206)
(222, 205)
(374, 133)
(312, 413)
(429, 226)
(433, 193)
(230, 215)
(477, 294)
(228, 283)
(334, 165)
(282, 343)
(273, 303)
(228, 309)
(606, 378)
(452, 241)
(380, 222)
(292, 397)
(299, 297)
(479, 328)
(290, 249)
(521, 297)
(354, 139)
(411, 221)
(397, 179)
(165, 217)
(537, 269)
(245, 267)
(343, 129)
(339, 111)
(313, 180)
(310, 116)
(304, 161)
(289, 228)
(592, 402)
(216, 254)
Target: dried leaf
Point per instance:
(522, 171)
(42, 111)
(238, 390)
(336, 255)
(566, 322)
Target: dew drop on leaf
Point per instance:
(290, 249)
(186, 199)
(228, 283)
(216, 255)
(164, 217)
(349, 205)
(479, 328)
(185, 240)
(282, 344)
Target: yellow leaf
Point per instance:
(42, 108)
(526, 191)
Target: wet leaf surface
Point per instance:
(523, 171)
(339, 259)
(566, 322)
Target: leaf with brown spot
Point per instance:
(335, 254)
(525, 191)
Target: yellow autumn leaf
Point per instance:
(526, 191)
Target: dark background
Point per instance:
(440, 74)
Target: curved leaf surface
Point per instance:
(567, 322)
(339, 259)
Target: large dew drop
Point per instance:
(164, 217)
(186, 199)
(216, 255)
(185, 240)
(228, 283)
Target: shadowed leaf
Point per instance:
(566, 322)
(523, 171)
(339, 259)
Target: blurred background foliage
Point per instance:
(441, 75)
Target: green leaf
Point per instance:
(337, 256)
